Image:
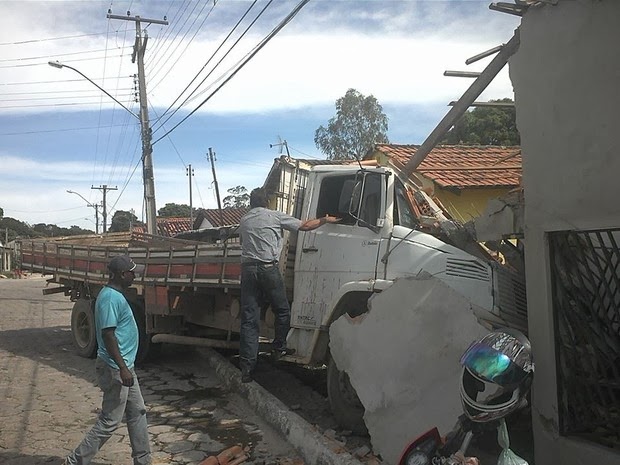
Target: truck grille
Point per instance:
(510, 297)
(471, 269)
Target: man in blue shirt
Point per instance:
(117, 339)
(261, 242)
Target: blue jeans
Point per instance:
(261, 280)
(117, 400)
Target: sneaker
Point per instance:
(276, 354)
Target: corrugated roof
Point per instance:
(462, 166)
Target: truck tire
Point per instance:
(83, 328)
(345, 404)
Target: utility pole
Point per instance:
(105, 188)
(190, 173)
(147, 148)
(217, 189)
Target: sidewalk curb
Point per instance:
(313, 446)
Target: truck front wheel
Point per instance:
(83, 328)
(343, 400)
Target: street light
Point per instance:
(147, 146)
(94, 205)
(57, 64)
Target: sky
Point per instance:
(210, 85)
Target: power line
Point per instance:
(179, 55)
(156, 59)
(248, 57)
(58, 130)
(56, 55)
(207, 62)
(58, 81)
(73, 91)
(64, 61)
(55, 105)
(51, 38)
(59, 97)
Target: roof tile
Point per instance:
(462, 166)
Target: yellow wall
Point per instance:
(468, 203)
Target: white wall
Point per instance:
(566, 77)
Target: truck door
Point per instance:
(335, 254)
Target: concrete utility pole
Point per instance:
(190, 173)
(105, 188)
(217, 189)
(147, 148)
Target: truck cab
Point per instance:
(389, 230)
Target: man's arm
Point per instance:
(314, 223)
(111, 345)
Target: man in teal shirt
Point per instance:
(117, 338)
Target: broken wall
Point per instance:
(403, 359)
(566, 77)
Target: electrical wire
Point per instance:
(55, 81)
(28, 65)
(44, 131)
(157, 59)
(248, 57)
(32, 41)
(208, 61)
(179, 55)
(57, 55)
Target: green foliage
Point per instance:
(238, 198)
(19, 229)
(175, 210)
(359, 124)
(485, 126)
(122, 221)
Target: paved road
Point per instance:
(48, 399)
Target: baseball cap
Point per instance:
(122, 263)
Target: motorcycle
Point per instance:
(496, 377)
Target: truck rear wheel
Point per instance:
(343, 400)
(83, 328)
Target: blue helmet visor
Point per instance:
(491, 365)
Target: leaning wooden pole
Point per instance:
(461, 106)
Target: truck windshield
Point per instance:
(354, 198)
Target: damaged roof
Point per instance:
(461, 166)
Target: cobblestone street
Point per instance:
(48, 398)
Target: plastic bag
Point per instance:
(507, 457)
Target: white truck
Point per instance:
(189, 293)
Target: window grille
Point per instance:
(585, 272)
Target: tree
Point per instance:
(486, 126)
(1, 212)
(122, 221)
(359, 124)
(175, 210)
(238, 198)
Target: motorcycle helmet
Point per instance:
(497, 374)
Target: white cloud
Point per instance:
(395, 50)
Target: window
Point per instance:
(334, 198)
(403, 213)
(354, 198)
